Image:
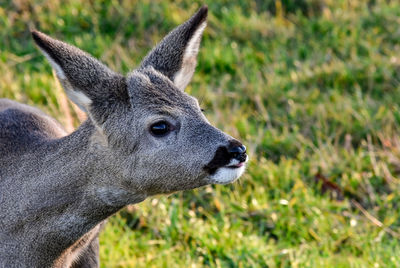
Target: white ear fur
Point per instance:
(189, 61)
(60, 73)
(76, 96)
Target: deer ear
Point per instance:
(84, 79)
(176, 55)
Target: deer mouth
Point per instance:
(223, 159)
(225, 175)
(241, 164)
(228, 173)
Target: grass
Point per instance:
(310, 86)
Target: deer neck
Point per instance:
(88, 172)
(79, 190)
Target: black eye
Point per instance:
(160, 129)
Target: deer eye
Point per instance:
(160, 128)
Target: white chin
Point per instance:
(225, 175)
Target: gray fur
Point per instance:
(56, 190)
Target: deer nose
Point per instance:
(237, 150)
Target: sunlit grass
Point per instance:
(310, 86)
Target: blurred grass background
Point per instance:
(310, 86)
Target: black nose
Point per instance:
(237, 150)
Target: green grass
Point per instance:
(312, 87)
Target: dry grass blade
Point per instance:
(374, 220)
(64, 107)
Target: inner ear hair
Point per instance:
(86, 81)
(175, 56)
(189, 60)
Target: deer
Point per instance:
(143, 136)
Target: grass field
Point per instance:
(312, 87)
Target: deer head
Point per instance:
(152, 132)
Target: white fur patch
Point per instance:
(225, 175)
(79, 98)
(60, 73)
(183, 76)
(76, 96)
